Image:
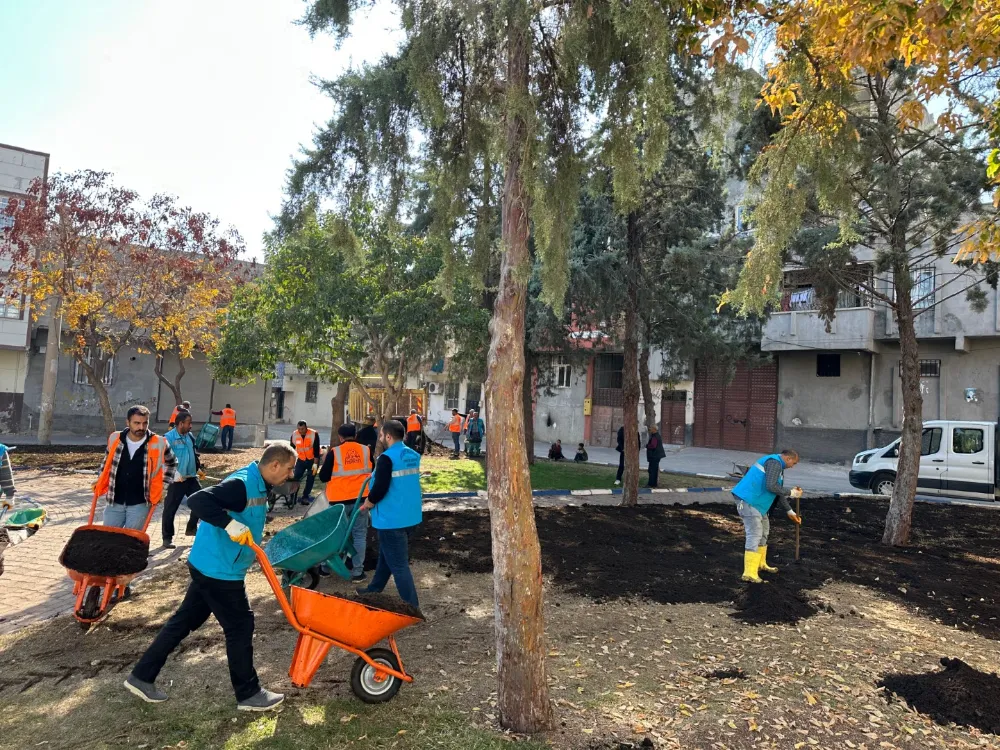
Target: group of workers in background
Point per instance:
(474, 429)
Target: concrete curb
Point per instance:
(576, 493)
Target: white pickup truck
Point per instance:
(957, 459)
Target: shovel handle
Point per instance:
(798, 526)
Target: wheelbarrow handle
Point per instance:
(279, 593)
(360, 501)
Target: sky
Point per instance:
(207, 100)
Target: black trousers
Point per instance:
(654, 472)
(410, 441)
(227, 600)
(304, 468)
(175, 494)
(621, 466)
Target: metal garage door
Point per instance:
(739, 414)
(672, 417)
(608, 398)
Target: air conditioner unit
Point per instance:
(434, 388)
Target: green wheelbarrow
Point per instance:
(298, 550)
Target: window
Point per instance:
(473, 396)
(967, 440)
(827, 365)
(929, 368)
(922, 293)
(12, 308)
(930, 441)
(312, 392)
(6, 221)
(80, 375)
(450, 396)
(563, 371)
(742, 219)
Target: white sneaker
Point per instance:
(618, 482)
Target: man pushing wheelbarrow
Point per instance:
(232, 515)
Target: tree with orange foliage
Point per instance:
(113, 264)
(860, 161)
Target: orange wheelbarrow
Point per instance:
(101, 584)
(323, 621)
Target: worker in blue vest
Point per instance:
(232, 515)
(755, 494)
(395, 503)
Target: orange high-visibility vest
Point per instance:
(352, 465)
(304, 445)
(154, 466)
(456, 423)
(228, 418)
(173, 414)
(413, 423)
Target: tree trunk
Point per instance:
(528, 403)
(175, 386)
(50, 377)
(522, 690)
(630, 367)
(900, 516)
(99, 388)
(337, 404)
(647, 389)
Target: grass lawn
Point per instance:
(443, 474)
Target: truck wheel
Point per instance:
(368, 684)
(883, 484)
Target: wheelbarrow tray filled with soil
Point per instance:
(106, 551)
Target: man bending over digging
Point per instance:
(232, 513)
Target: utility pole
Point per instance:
(51, 373)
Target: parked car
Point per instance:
(957, 459)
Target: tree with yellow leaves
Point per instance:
(118, 269)
(861, 163)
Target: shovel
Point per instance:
(798, 526)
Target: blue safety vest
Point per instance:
(213, 553)
(402, 505)
(183, 450)
(751, 488)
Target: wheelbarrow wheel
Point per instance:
(307, 580)
(368, 684)
(91, 606)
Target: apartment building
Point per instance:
(839, 392)
(19, 168)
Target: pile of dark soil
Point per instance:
(771, 604)
(679, 555)
(734, 673)
(103, 553)
(959, 694)
(389, 603)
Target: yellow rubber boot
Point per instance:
(762, 551)
(751, 561)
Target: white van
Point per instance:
(957, 459)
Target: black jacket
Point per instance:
(621, 440)
(654, 448)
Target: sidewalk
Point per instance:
(35, 586)
(817, 477)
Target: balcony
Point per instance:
(799, 330)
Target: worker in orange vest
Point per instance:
(346, 470)
(182, 406)
(138, 466)
(305, 441)
(227, 421)
(414, 424)
(455, 428)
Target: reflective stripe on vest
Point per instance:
(304, 444)
(405, 472)
(456, 423)
(228, 418)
